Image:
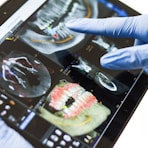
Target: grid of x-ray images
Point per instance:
(78, 97)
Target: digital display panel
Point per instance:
(55, 72)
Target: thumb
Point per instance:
(135, 57)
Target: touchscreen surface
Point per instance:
(55, 74)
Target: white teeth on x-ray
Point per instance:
(48, 15)
(47, 30)
(77, 6)
(41, 25)
(65, 5)
(62, 6)
(62, 31)
(77, 11)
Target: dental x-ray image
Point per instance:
(53, 89)
(46, 31)
(101, 78)
(21, 75)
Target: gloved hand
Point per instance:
(9, 138)
(135, 57)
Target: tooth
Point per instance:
(66, 110)
(66, 31)
(75, 6)
(60, 33)
(81, 101)
(59, 105)
(41, 24)
(64, 98)
(79, 7)
(66, 3)
(63, 35)
(77, 11)
(60, 29)
(68, 94)
(73, 107)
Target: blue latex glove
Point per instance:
(9, 138)
(135, 57)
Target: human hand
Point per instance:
(9, 138)
(135, 57)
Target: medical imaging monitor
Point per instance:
(53, 90)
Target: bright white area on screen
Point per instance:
(138, 5)
(2, 2)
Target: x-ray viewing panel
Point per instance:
(46, 31)
(53, 89)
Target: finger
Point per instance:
(109, 26)
(135, 57)
(133, 27)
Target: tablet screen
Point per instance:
(55, 74)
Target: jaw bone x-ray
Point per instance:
(46, 31)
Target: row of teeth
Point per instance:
(71, 92)
(48, 15)
(47, 18)
(82, 100)
(77, 11)
(80, 104)
(54, 6)
(60, 30)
